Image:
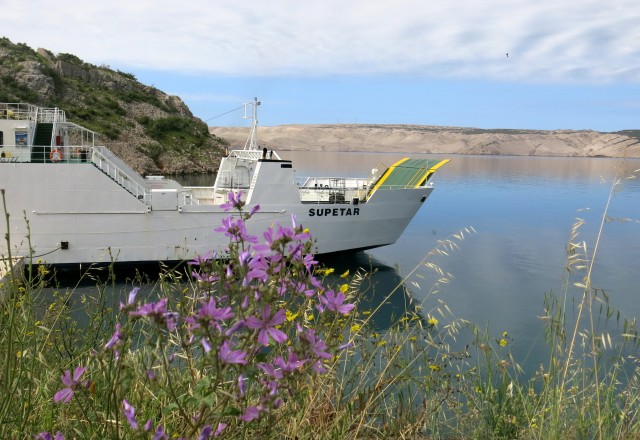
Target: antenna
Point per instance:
(252, 142)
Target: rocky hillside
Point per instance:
(153, 132)
(447, 140)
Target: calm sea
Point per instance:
(523, 210)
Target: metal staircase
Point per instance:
(121, 173)
(42, 142)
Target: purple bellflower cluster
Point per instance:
(252, 333)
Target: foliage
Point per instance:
(70, 58)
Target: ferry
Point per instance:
(72, 202)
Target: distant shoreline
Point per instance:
(438, 140)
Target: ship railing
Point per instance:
(333, 182)
(17, 110)
(399, 187)
(123, 174)
(232, 183)
(254, 154)
(198, 195)
(328, 195)
(33, 127)
(45, 154)
(333, 190)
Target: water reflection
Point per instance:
(382, 288)
(378, 281)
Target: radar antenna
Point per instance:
(251, 112)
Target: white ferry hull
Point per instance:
(76, 214)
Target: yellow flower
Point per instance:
(344, 288)
(505, 334)
(367, 312)
(381, 343)
(344, 275)
(433, 322)
(435, 367)
(355, 328)
(326, 271)
(291, 316)
(310, 317)
(413, 338)
(503, 342)
(305, 230)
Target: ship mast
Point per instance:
(252, 141)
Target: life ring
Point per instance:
(55, 155)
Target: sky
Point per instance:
(521, 64)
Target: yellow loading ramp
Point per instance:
(407, 173)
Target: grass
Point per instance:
(428, 375)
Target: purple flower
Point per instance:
(308, 262)
(234, 328)
(235, 201)
(160, 434)
(204, 278)
(272, 371)
(116, 339)
(255, 209)
(151, 309)
(158, 311)
(250, 413)
(229, 356)
(241, 386)
(206, 345)
(49, 436)
(219, 429)
(130, 414)
(205, 433)
(210, 313)
(335, 302)
(71, 382)
(345, 346)
(131, 299)
(317, 346)
(199, 260)
(291, 364)
(267, 325)
(236, 229)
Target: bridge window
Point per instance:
(1, 139)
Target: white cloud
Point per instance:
(551, 41)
